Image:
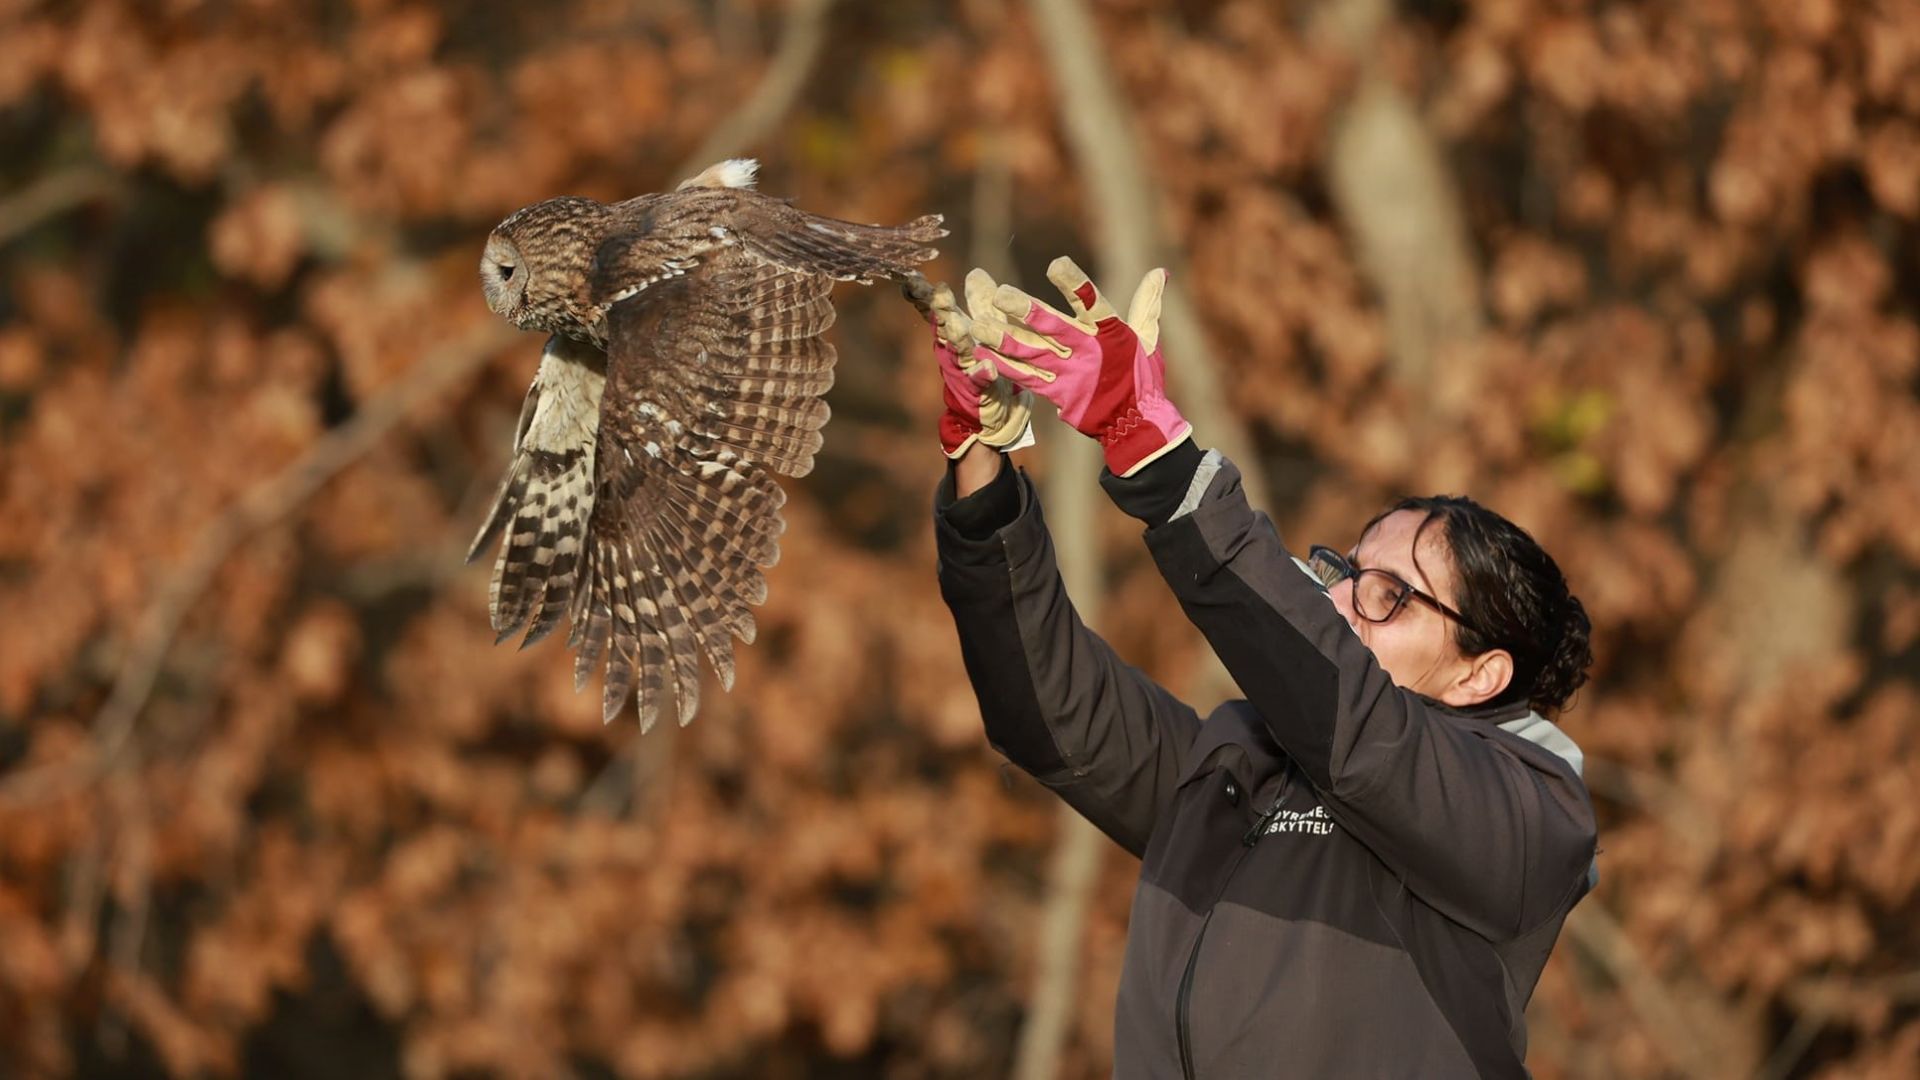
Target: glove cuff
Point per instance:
(1006, 417)
(1135, 438)
(957, 434)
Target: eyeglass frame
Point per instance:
(1346, 569)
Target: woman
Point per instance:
(1360, 868)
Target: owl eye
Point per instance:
(506, 271)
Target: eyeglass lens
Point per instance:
(1377, 594)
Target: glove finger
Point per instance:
(1143, 314)
(940, 298)
(1021, 374)
(979, 290)
(976, 368)
(1074, 284)
(954, 328)
(1017, 341)
(1009, 302)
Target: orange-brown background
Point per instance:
(271, 803)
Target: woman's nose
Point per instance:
(1342, 596)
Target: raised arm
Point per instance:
(1490, 829)
(1055, 698)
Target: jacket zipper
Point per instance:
(1264, 822)
(1181, 1016)
(1182, 1010)
(1182, 1005)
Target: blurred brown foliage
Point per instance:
(347, 836)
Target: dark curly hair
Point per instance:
(1514, 597)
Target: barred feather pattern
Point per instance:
(714, 390)
(661, 238)
(715, 300)
(541, 510)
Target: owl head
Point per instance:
(534, 267)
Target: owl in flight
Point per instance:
(683, 373)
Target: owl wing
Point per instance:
(781, 233)
(545, 499)
(713, 388)
(664, 239)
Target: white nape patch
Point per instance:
(738, 172)
(731, 173)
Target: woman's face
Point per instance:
(1416, 646)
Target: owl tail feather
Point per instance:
(541, 512)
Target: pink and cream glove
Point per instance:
(1105, 374)
(981, 405)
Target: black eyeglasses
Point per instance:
(1378, 595)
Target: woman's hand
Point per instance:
(981, 407)
(1106, 375)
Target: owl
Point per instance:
(683, 375)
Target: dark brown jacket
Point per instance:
(1339, 878)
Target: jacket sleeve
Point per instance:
(1055, 699)
(1491, 834)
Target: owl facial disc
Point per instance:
(502, 276)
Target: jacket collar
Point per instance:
(1547, 735)
(1518, 718)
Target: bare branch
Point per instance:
(1690, 1033)
(50, 196)
(266, 504)
(1656, 796)
(793, 59)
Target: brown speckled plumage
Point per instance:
(684, 374)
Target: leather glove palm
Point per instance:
(1104, 373)
(981, 406)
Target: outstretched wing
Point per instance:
(650, 523)
(714, 384)
(547, 495)
(780, 233)
(665, 238)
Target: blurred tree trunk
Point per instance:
(1397, 201)
(1077, 844)
(1126, 235)
(1127, 243)
(801, 35)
